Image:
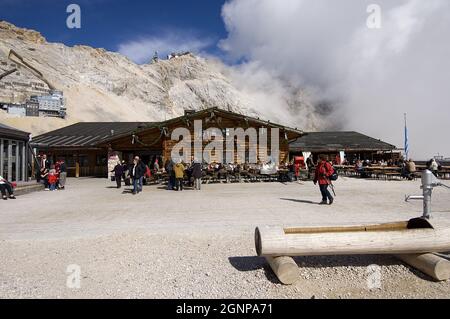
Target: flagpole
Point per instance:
(406, 139)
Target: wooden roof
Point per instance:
(10, 132)
(85, 134)
(189, 118)
(97, 134)
(338, 141)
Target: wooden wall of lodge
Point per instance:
(165, 144)
(75, 169)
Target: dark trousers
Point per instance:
(137, 184)
(6, 187)
(179, 184)
(325, 193)
(172, 181)
(119, 181)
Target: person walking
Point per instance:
(311, 166)
(169, 167)
(62, 174)
(6, 186)
(197, 174)
(118, 172)
(137, 174)
(126, 173)
(322, 176)
(179, 175)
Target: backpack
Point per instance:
(334, 177)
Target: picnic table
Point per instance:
(385, 172)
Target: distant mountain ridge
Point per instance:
(106, 86)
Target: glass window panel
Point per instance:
(5, 159)
(14, 161)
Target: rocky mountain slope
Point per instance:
(106, 86)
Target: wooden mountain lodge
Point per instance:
(87, 146)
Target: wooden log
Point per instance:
(285, 268)
(409, 237)
(430, 264)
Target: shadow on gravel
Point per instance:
(355, 261)
(252, 263)
(300, 201)
(345, 261)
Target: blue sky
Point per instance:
(112, 23)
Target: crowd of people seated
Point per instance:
(53, 176)
(407, 168)
(180, 173)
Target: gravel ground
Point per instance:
(163, 244)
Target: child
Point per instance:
(52, 179)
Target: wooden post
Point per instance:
(430, 264)
(77, 166)
(285, 268)
(409, 237)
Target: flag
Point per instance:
(406, 141)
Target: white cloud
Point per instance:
(141, 49)
(372, 75)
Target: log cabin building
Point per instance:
(87, 146)
(353, 145)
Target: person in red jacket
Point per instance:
(322, 176)
(52, 179)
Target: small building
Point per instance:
(16, 109)
(87, 147)
(32, 108)
(14, 154)
(78, 145)
(351, 145)
(51, 105)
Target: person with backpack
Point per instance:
(324, 171)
